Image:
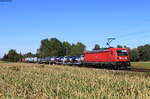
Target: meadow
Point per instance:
(38, 81)
(143, 65)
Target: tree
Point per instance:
(12, 56)
(52, 47)
(5, 57)
(119, 46)
(77, 49)
(29, 54)
(56, 47)
(97, 47)
(125, 46)
(44, 48)
(20, 56)
(144, 52)
(134, 56)
(66, 48)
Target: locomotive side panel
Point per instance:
(103, 56)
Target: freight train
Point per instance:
(107, 57)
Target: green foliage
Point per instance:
(134, 55)
(96, 47)
(141, 53)
(54, 47)
(12, 56)
(77, 49)
(5, 57)
(144, 52)
(66, 48)
(119, 46)
(29, 54)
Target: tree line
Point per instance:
(54, 47)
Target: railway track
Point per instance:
(137, 70)
(127, 70)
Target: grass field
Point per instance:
(144, 65)
(35, 81)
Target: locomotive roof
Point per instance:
(95, 51)
(102, 50)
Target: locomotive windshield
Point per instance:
(122, 52)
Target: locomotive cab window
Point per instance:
(122, 52)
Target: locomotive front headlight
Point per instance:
(120, 57)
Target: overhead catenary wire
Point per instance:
(130, 37)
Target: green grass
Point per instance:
(34, 81)
(144, 65)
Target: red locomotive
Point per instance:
(110, 57)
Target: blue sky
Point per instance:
(24, 23)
